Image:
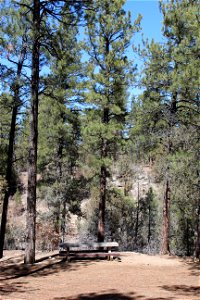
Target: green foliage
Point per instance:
(121, 216)
(109, 32)
(85, 126)
(166, 115)
(5, 120)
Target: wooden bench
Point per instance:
(92, 250)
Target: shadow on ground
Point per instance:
(8, 288)
(193, 265)
(194, 268)
(110, 295)
(93, 296)
(12, 269)
(183, 290)
(13, 259)
(43, 267)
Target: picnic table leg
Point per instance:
(67, 253)
(110, 257)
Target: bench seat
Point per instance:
(93, 250)
(90, 254)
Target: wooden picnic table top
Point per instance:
(89, 244)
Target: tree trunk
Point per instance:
(137, 215)
(63, 222)
(187, 238)
(59, 176)
(126, 187)
(103, 184)
(197, 245)
(197, 238)
(102, 205)
(9, 173)
(32, 159)
(149, 222)
(165, 248)
(9, 170)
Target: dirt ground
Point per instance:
(135, 276)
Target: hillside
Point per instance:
(75, 225)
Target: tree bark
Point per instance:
(197, 245)
(137, 215)
(32, 159)
(197, 237)
(59, 176)
(103, 172)
(165, 248)
(102, 205)
(103, 184)
(149, 221)
(9, 169)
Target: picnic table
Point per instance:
(89, 249)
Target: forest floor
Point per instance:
(135, 276)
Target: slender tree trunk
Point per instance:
(149, 223)
(102, 204)
(187, 237)
(9, 173)
(32, 159)
(197, 245)
(63, 222)
(165, 248)
(126, 188)
(104, 154)
(9, 170)
(197, 238)
(150, 199)
(59, 175)
(103, 185)
(137, 214)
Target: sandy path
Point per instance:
(136, 276)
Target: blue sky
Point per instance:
(151, 24)
(152, 18)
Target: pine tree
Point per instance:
(181, 30)
(170, 100)
(14, 48)
(41, 15)
(109, 31)
(61, 96)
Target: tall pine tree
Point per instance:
(14, 53)
(109, 31)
